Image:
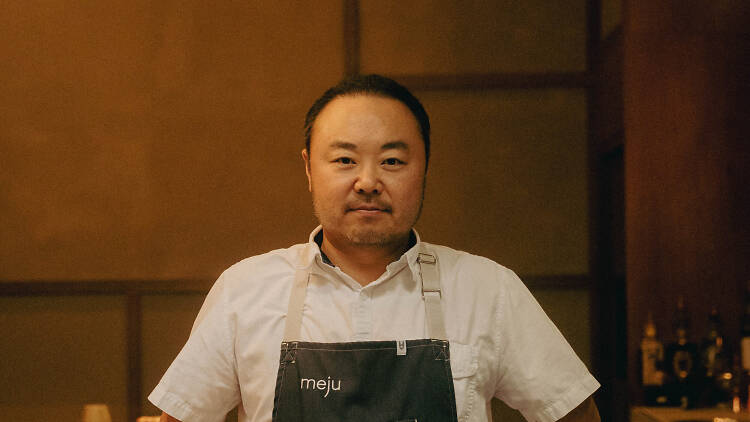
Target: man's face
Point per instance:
(366, 170)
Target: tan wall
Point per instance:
(156, 139)
(160, 140)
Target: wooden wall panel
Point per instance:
(507, 178)
(449, 37)
(156, 140)
(569, 310)
(59, 353)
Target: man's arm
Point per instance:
(585, 412)
(167, 418)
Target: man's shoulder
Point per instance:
(462, 263)
(272, 263)
(474, 283)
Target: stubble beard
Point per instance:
(363, 236)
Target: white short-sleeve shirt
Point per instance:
(502, 343)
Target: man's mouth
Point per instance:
(369, 208)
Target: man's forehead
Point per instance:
(352, 104)
(371, 113)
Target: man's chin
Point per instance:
(375, 238)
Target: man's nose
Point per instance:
(368, 181)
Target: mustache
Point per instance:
(368, 205)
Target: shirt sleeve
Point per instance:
(540, 374)
(201, 384)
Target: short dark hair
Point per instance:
(375, 85)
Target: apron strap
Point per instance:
(431, 293)
(296, 303)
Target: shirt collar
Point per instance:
(313, 254)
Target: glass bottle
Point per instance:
(744, 388)
(717, 374)
(745, 334)
(682, 362)
(652, 360)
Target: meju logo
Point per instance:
(326, 384)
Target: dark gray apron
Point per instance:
(383, 381)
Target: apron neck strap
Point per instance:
(296, 303)
(431, 293)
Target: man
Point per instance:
(366, 321)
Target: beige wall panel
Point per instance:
(507, 178)
(59, 353)
(156, 139)
(165, 328)
(478, 36)
(570, 311)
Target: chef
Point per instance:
(365, 321)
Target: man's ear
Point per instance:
(306, 159)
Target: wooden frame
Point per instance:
(472, 81)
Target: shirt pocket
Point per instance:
(464, 369)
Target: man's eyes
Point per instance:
(347, 161)
(344, 160)
(392, 162)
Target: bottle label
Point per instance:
(650, 357)
(682, 364)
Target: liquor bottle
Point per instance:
(652, 360)
(745, 353)
(735, 384)
(716, 382)
(682, 362)
(745, 335)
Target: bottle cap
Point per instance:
(649, 330)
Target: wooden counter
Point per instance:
(675, 414)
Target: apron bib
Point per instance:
(378, 381)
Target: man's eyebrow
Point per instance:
(353, 147)
(395, 145)
(343, 145)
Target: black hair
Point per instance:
(375, 85)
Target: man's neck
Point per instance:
(363, 263)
